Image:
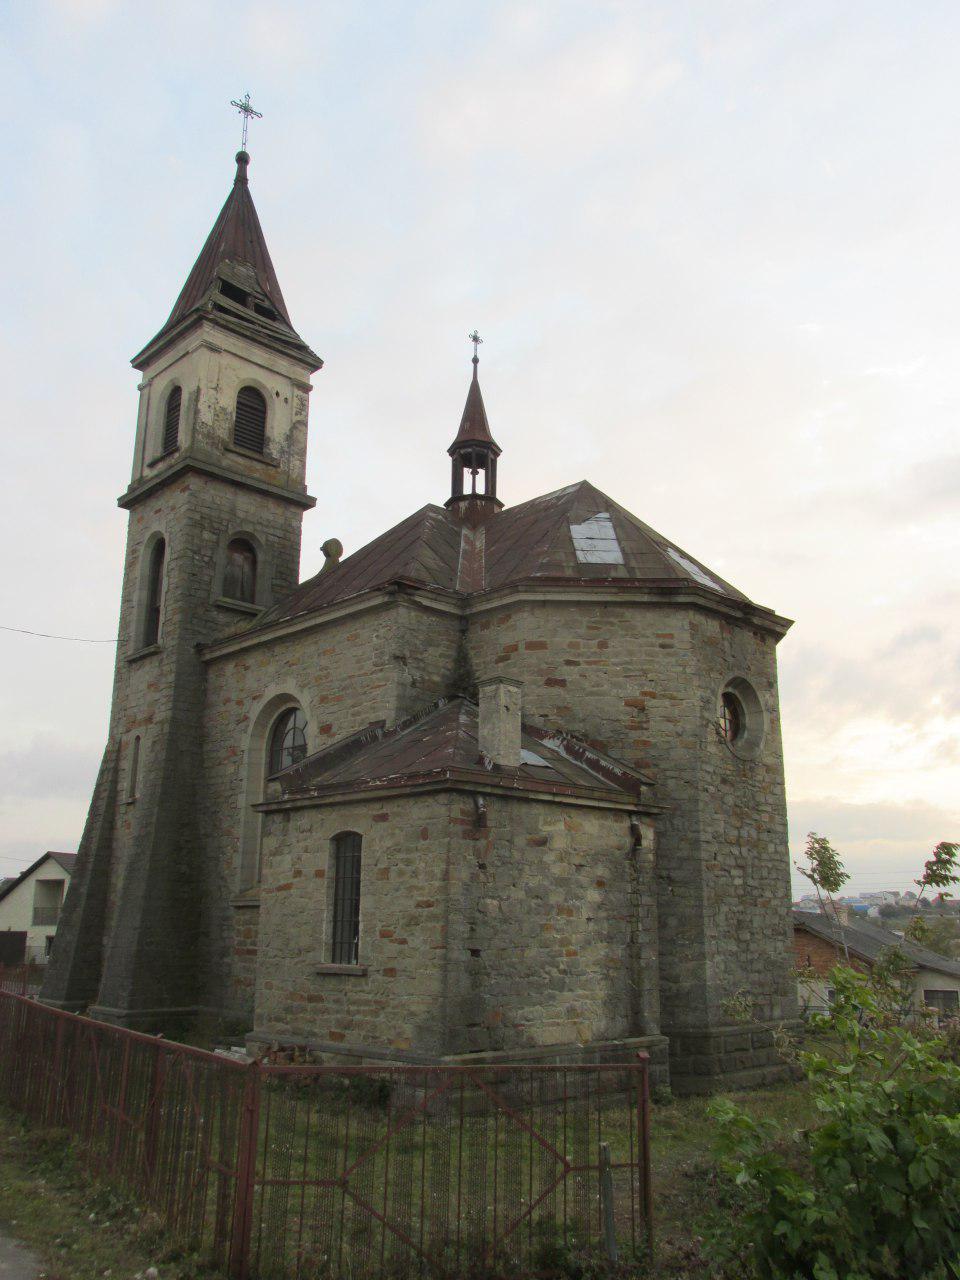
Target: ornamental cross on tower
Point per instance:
(476, 340)
(247, 112)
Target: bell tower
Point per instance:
(215, 504)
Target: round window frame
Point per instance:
(749, 742)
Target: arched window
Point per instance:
(288, 742)
(250, 423)
(171, 421)
(133, 778)
(151, 613)
(240, 571)
(345, 935)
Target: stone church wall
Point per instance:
(643, 682)
(381, 664)
(552, 927)
(536, 930)
(396, 998)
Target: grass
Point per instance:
(684, 1177)
(81, 1230)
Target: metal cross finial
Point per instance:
(476, 340)
(246, 111)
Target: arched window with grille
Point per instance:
(154, 594)
(250, 421)
(345, 930)
(288, 742)
(240, 572)
(171, 421)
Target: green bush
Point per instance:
(873, 1191)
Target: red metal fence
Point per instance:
(277, 1171)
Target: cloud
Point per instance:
(883, 845)
(48, 768)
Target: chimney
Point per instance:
(500, 721)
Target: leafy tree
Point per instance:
(825, 872)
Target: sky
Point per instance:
(712, 251)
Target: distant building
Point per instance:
(818, 943)
(30, 908)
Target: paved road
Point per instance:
(16, 1262)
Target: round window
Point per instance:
(731, 716)
(741, 719)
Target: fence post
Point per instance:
(247, 1143)
(606, 1203)
(154, 1112)
(644, 1119)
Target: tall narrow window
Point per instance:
(288, 742)
(346, 898)
(151, 616)
(133, 779)
(250, 423)
(240, 572)
(171, 421)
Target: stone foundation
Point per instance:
(731, 1057)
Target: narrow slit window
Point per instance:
(171, 421)
(134, 778)
(250, 423)
(346, 899)
(240, 572)
(151, 618)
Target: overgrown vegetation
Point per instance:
(871, 1190)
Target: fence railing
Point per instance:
(21, 979)
(277, 1171)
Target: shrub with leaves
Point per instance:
(873, 1191)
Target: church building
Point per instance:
(505, 784)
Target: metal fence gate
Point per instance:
(278, 1171)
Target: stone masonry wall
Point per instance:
(395, 999)
(636, 680)
(552, 927)
(529, 932)
(379, 665)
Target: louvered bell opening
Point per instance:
(171, 421)
(250, 423)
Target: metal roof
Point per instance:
(233, 264)
(540, 541)
(474, 427)
(443, 744)
(868, 940)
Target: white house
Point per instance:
(30, 908)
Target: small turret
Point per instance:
(474, 451)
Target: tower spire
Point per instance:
(474, 451)
(233, 281)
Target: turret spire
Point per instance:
(474, 451)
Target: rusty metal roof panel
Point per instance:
(562, 537)
(234, 274)
(445, 739)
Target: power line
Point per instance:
(45, 635)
